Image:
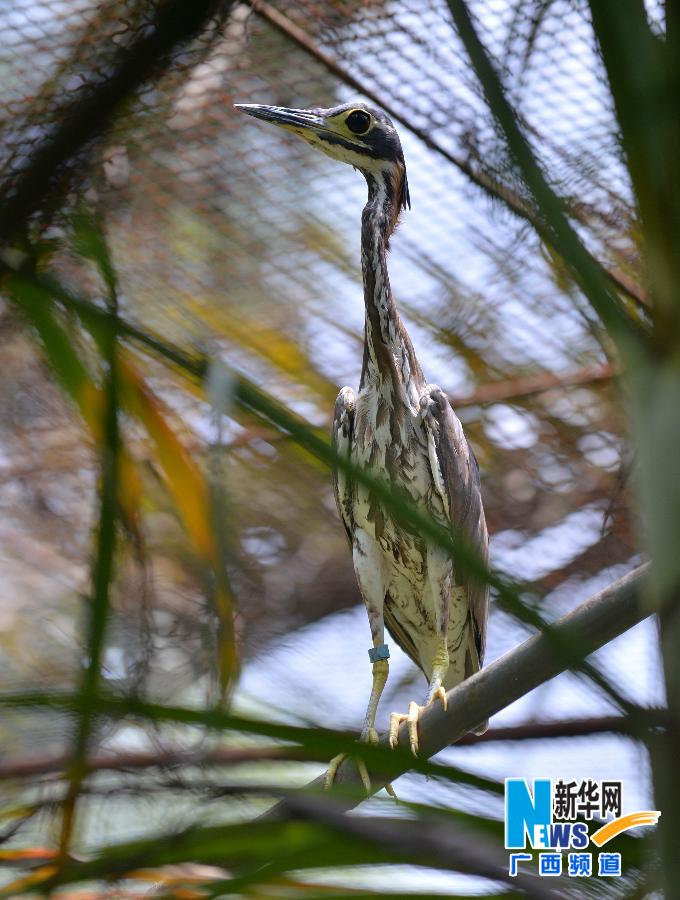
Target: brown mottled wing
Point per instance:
(343, 438)
(456, 476)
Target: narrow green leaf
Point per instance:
(644, 78)
(59, 348)
(555, 227)
(90, 242)
(102, 574)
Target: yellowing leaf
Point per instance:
(183, 477)
(191, 494)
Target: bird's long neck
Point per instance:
(389, 358)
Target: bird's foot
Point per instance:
(412, 717)
(437, 692)
(369, 736)
(335, 764)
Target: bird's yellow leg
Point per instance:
(440, 666)
(369, 734)
(435, 691)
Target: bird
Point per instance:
(402, 429)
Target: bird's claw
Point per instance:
(335, 764)
(332, 770)
(438, 694)
(412, 717)
(370, 736)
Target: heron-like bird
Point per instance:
(400, 427)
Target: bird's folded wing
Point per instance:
(456, 477)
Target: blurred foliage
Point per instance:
(190, 282)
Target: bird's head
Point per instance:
(353, 133)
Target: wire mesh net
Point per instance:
(238, 239)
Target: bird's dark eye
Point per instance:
(358, 121)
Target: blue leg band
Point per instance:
(382, 651)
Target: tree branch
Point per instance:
(173, 758)
(525, 386)
(444, 844)
(560, 728)
(179, 758)
(592, 625)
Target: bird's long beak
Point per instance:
(299, 120)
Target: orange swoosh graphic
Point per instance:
(623, 823)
